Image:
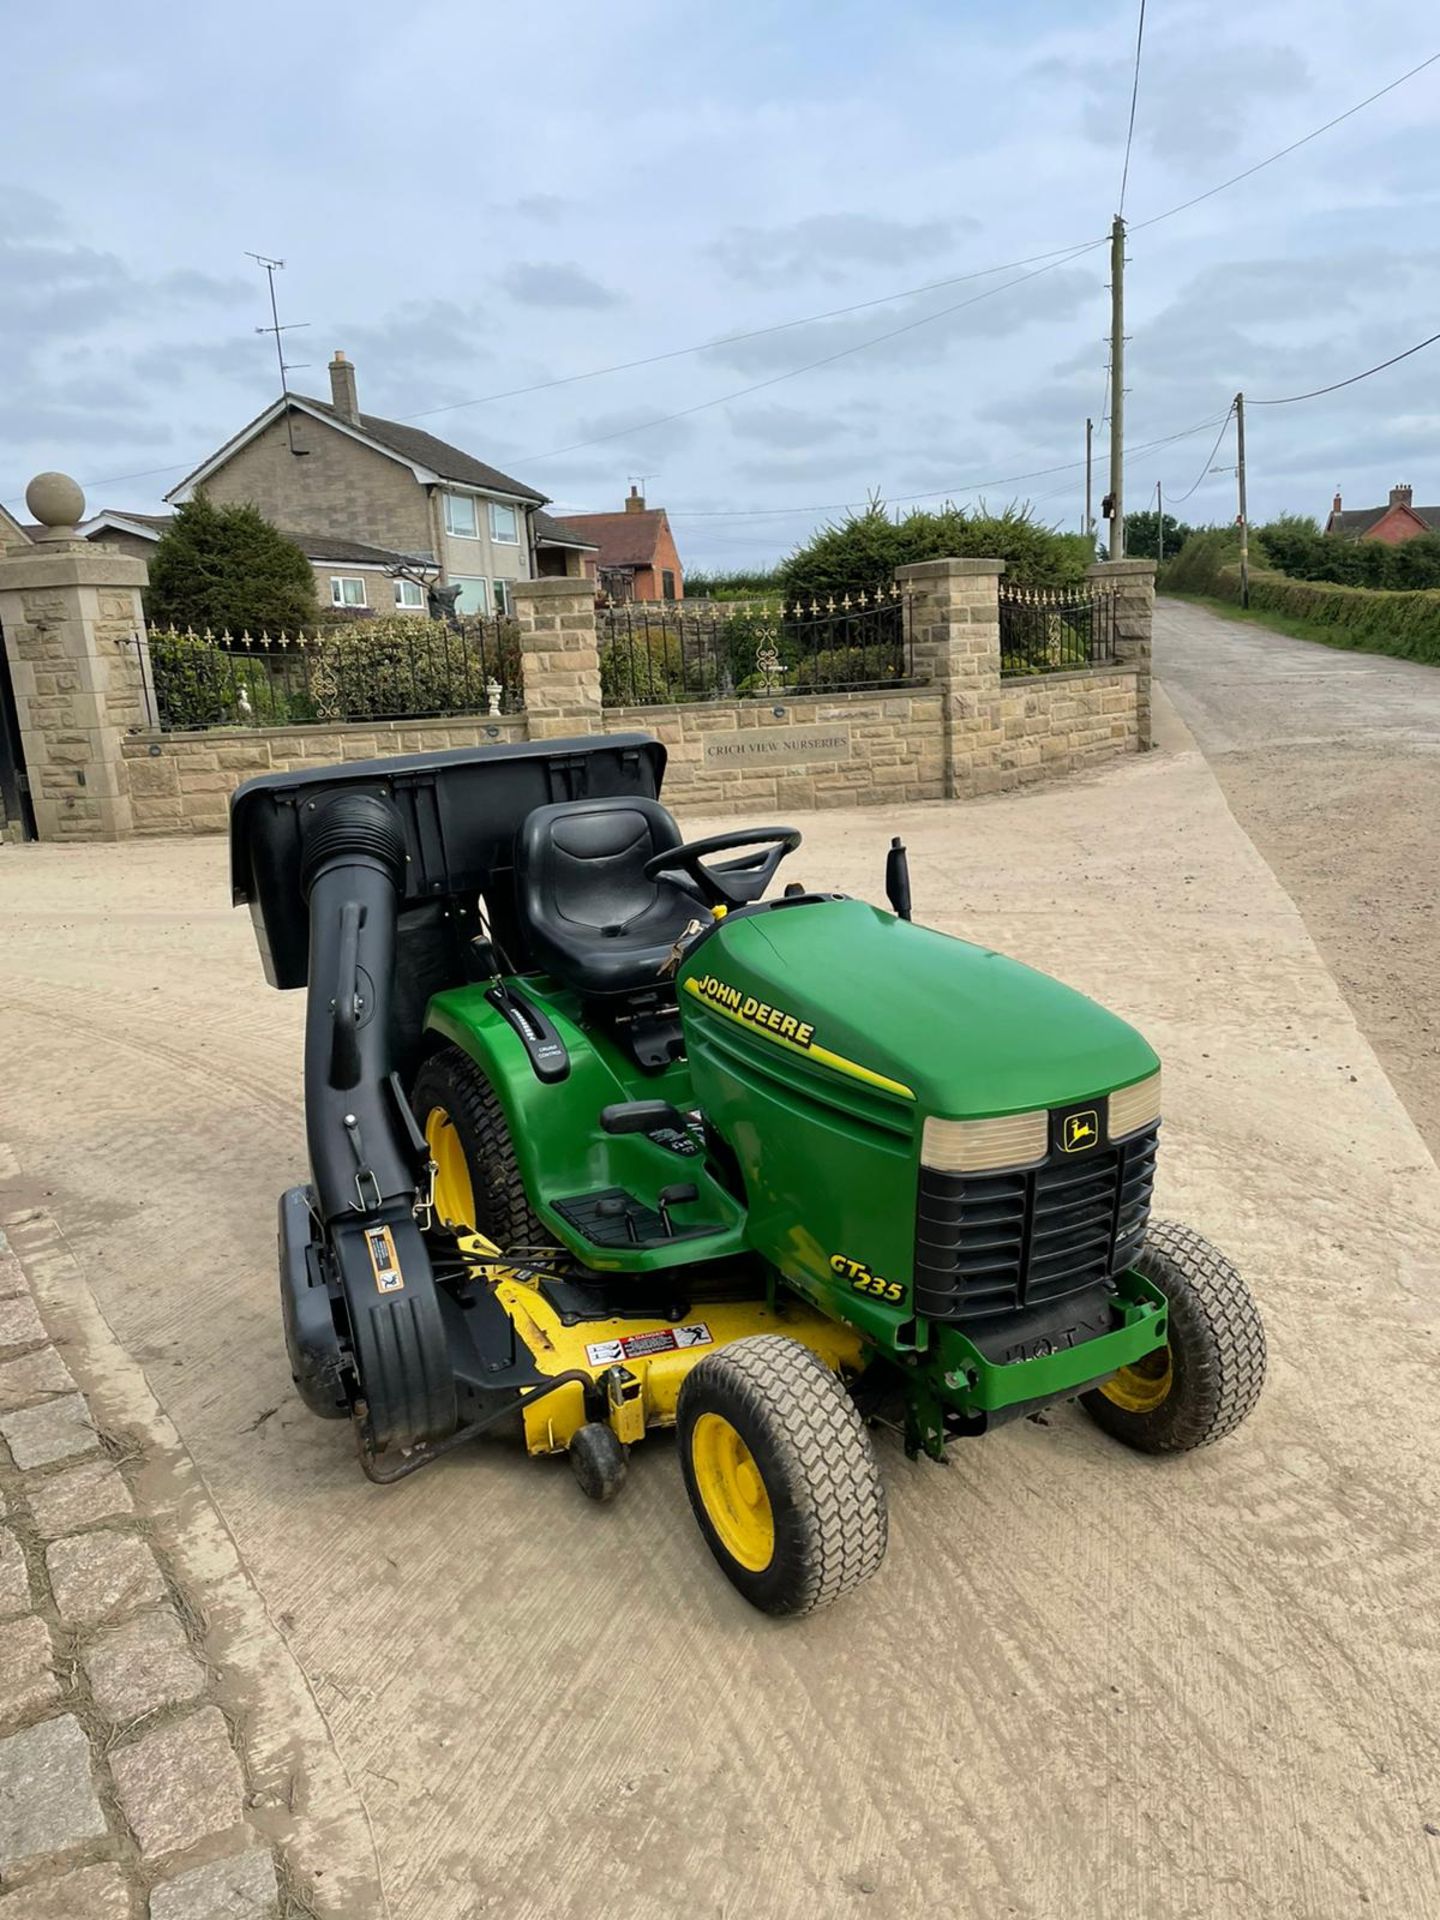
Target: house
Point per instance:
(637, 558)
(348, 573)
(11, 531)
(1399, 521)
(372, 495)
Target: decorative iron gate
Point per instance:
(1055, 629)
(16, 808)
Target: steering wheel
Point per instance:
(734, 883)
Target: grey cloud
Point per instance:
(631, 438)
(827, 246)
(555, 283)
(780, 426)
(548, 208)
(1054, 296)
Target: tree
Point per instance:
(1142, 535)
(228, 569)
(865, 549)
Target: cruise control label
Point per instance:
(641, 1346)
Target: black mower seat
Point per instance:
(592, 918)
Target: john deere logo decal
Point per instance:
(1081, 1130)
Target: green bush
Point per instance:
(1197, 565)
(226, 568)
(865, 549)
(738, 583)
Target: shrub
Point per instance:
(1196, 567)
(865, 549)
(227, 568)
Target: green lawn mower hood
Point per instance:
(848, 999)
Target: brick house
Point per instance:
(370, 496)
(637, 557)
(1394, 523)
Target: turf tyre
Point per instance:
(816, 1462)
(451, 1079)
(1216, 1345)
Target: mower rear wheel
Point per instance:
(478, 1185)
(781, 1474)
(1208, 1376)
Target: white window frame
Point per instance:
(474, 580)
(338, 584)
(500, 591)
(504, 539)
(416, 605)
(460, 533)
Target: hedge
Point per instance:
(1373, 620)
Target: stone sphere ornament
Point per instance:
(55, 500)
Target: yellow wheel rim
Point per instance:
(733, 1494)
(1143, 1387)
(454, 1195)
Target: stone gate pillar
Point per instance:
(1133, 583)
(955, 625)
(560, 658)
(75, 640)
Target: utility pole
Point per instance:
(1117, 389)
(1089, 523)
(1159, 525)
(1244, 516)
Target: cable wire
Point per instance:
(1134, 96)
(1294, 146)
(1289, 399)
(1178, 500)
(860, 346)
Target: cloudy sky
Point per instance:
(472, 199)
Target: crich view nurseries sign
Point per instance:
(776, 746)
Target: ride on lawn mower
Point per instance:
(602, 1140)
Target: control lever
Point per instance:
(679, 1195)
(897, 879)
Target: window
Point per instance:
(667, 584)
(460, 516)
(347, 590)
(502, 596)
(474, 595)
(504, 524)
(410, 595)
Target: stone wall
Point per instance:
(182, 782)
(1057, 723)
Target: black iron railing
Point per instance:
(401, 669)
(659, 653)
(1055, 629)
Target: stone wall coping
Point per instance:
(69, 563)
(1121, 569)
(948, 569)
(843, 696)
(569, 585)
(298, 730)
(1116, 670)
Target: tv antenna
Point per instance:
(287, 367)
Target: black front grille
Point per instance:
(991, 1243)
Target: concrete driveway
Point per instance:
(1085, 1683)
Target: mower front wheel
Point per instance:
(781, 1474)
(1207, 1377)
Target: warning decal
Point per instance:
(640, 1346)
(384, 1263)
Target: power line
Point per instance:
(1303, 141)
(936, 493)
(1289, 399)
(1134, 96)
(1178, 500)
(860, 346)
(754, 333)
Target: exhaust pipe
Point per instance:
(366, 1152)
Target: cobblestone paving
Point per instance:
(122, 1795)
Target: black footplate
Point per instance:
(614, 1218)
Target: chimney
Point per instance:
(342, 389)
(1401, 496)
(635, 501)
(1336, 507)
